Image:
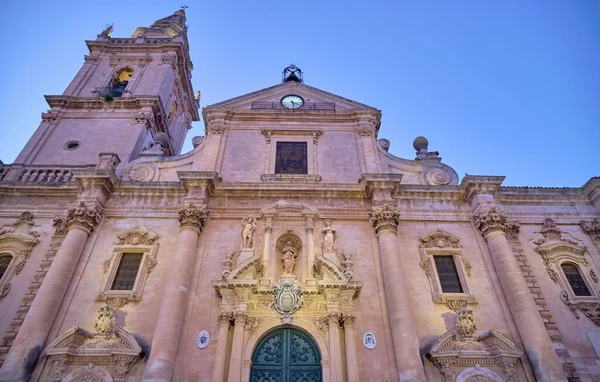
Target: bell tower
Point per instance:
(129, 93)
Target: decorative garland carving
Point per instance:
(384, 218)
(193, 217)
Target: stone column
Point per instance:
(218, 374)
(402, 319)
(172, 309)
(537, 343)
(332, 320)
(80, 222)
(310, 264)
(351, 355)
(266, 255)
(237, 348)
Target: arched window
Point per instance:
(575, 279)
(120, 82)
(4, 263)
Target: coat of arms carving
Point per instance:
(287, 298)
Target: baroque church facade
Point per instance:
(288, 245)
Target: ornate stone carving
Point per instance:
(146, 118)
(591, 310)
(447, 369)
(216, 128)
(512, 231)
(90, 373)
(364, 130)
(509, 369)
(84, 217)
(288, 258)
(193, 217)
(333, 318)
(492, 220)
(564, 297)
(105, 321)
(59, 368)
(287, 298)
(425, 265)
(248, 228)
(142, 172)
(137, 236)
(169, 59)
(50, 116)
(197, 141)
(348, 320)
(551, 233)
(225, 318)
(60, 226)
(456, 304)
(465, 323)
(227, 265)
(593, 276)
(592, 228)
(116, 302)
(437, 176)
(348, 265)
(252, 323)
(329, 237)
(91, 58)
(467, 265)
(239, 318)
(384, 218)
(439, 239)
(4, 291)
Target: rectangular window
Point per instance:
(127, 271)
(449, 279)
(291, 158)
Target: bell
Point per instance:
(292, 77)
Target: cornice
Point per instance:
(122, 103)
(476, 184)
(303, 115)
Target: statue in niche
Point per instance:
(329, 237)
(288, 257)
(248, 227)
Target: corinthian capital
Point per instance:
(83, 217)
(492, 220)
(240, 318)
(384, 218)
(193, 217)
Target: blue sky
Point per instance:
(498, 87)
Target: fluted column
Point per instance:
(537, 343)
(172, 309)
(402, 319)
(218, 374)
(310, 270)
(237, 348)
(332, 320)
(350, 342)
(266, 257)
(80, 221)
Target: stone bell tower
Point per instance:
(131, 95)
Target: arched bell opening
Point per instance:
(286, 354)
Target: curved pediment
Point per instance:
(137, 236)
(247, 270)
(328, 270)
(491, 344)
(286, 208)
(79, 342)
(439, 239)
(19, 236)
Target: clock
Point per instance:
(292, 101)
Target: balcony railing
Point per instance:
(45, 175)
(115, 91)
(307, 105)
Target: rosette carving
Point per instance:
(384, 218)
(83, 217)
(193, 217)
(491, 220)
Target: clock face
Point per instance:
(292, 102)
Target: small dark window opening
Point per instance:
(4, 263)
(120, 82)
(291, 158)
(575, 280)
(127, 271)
(449, 279)
(72, 145)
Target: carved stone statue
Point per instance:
(288, 257)
(329, 237)
(248, 228)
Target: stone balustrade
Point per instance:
(39, 174)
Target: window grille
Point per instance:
(127, 271)
(574, 278)
(4, 262)
(449, 279)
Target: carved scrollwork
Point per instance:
(105, 322)
(465, 323)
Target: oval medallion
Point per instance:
(369, 340)
(203, 339)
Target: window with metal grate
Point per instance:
(127, 271)
(449, 279)
(575, 280)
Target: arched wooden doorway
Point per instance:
(286, 355)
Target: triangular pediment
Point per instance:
(270, 99)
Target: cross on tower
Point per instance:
(184, 7)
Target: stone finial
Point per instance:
(384, 218)
(105, 321)
(492, 220)
(82, 217)
(193, 217)
(108, 161)
(465, 323)
(421, 144)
